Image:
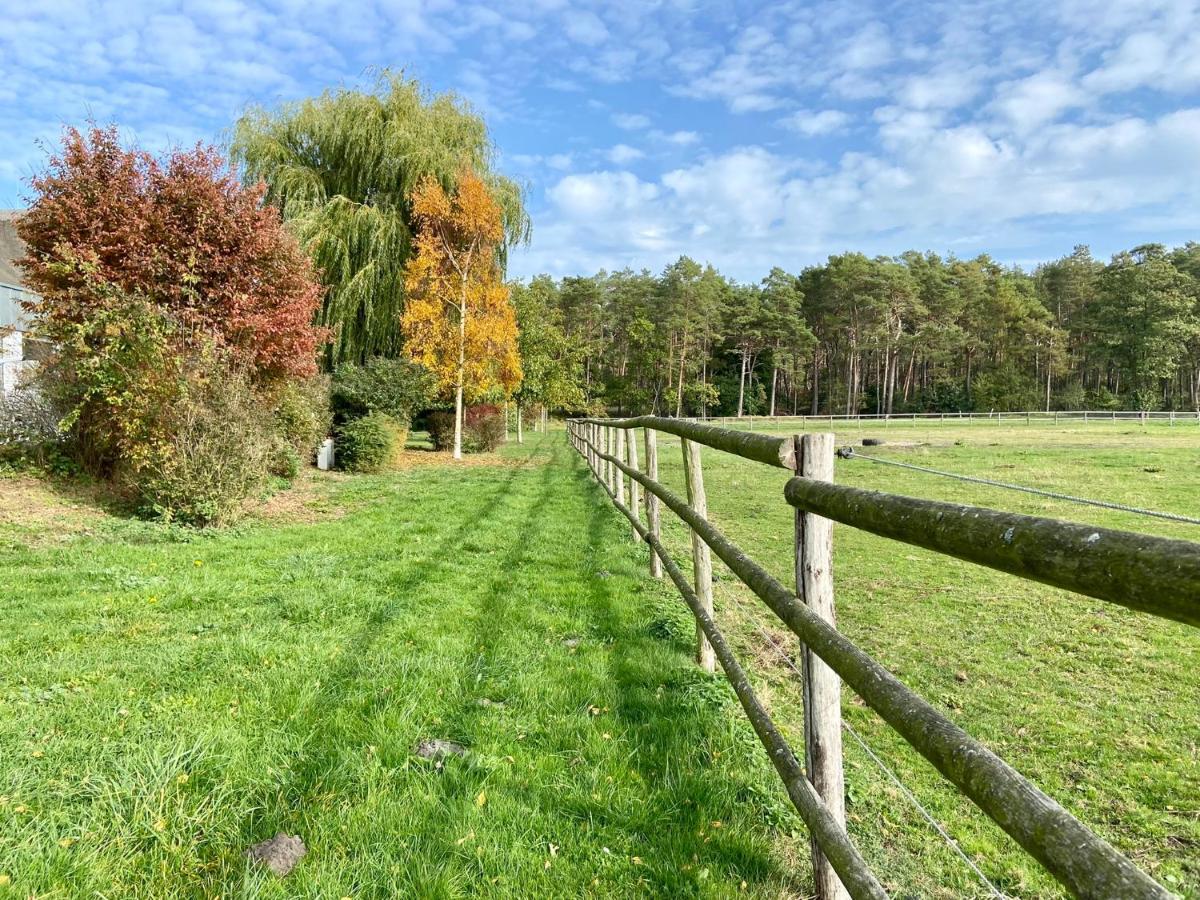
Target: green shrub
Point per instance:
(366, 444)
(441, 430)
(202, 457)
(483, 428)
(284, 460)
(394, 387)
(302, 416)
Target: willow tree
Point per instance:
(459, 322)
(343, 168)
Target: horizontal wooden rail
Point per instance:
(852, 869)
(764, 448)
(1081, 860)
(1139, 571)
(1100, 415)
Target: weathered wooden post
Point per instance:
(612, 451)
(652, 516)
(604, 448)
(635, 488)
(701, 556)
(620, 455)
(822, 687)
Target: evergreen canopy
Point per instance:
(342, 168)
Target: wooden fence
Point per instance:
(1031, 417)
(1152, 575)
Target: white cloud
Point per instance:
(869, 48)
(679, 138)
(812, 123)
(585, 28)
(601, 193)
(1038, 99)
(623, 154)
(630, 121)
(941, 187)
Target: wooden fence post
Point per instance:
(610, 448)
(701, 556)
(620, 455)
(635, 488)
(822, 687)
(652, 516)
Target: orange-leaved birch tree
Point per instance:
(458, 319)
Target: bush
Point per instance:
(483, 428)
(394, 387)
(366, 444)
(206, 454)
(284, 461)
(302, 417)
(28, 419)
(441, 430)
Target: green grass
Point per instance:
(1095, 703)
(169, 698)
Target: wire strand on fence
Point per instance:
(851, 453)
(912, 799)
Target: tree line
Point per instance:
(913, 333)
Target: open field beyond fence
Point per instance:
(1093, 703)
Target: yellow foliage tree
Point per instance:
(459, 320)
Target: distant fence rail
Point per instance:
(1030, 417)
(1149, 574)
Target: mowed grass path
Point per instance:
(1098, 705)
(169, 698)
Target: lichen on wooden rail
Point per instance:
(774, 451)
(1081, 860)
(1139, 571)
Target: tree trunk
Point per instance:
(816, 384)
(742, 386)
(679, 391)
(774, 383)
(520, 426)
(462, 373)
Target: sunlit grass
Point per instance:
(169, 698)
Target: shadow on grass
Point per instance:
(663, 738)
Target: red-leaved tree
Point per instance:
(182, 233)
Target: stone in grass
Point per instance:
(280, 854)
(438, 749)
(572, 642)
(873, 442)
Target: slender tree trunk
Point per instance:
(742, 386)
(774, 384)
(679, 391)
(814, 407)
(462, 372)
(520, 426)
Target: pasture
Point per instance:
(170, 697)
(1094, 703)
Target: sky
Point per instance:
(748, 135)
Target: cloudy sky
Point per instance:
(745, 134)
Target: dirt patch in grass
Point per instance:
(50, 509)
(306, 500)
(416, 459)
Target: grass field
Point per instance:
(1096, 704)
(169, 698)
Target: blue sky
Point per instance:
(745, 134)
